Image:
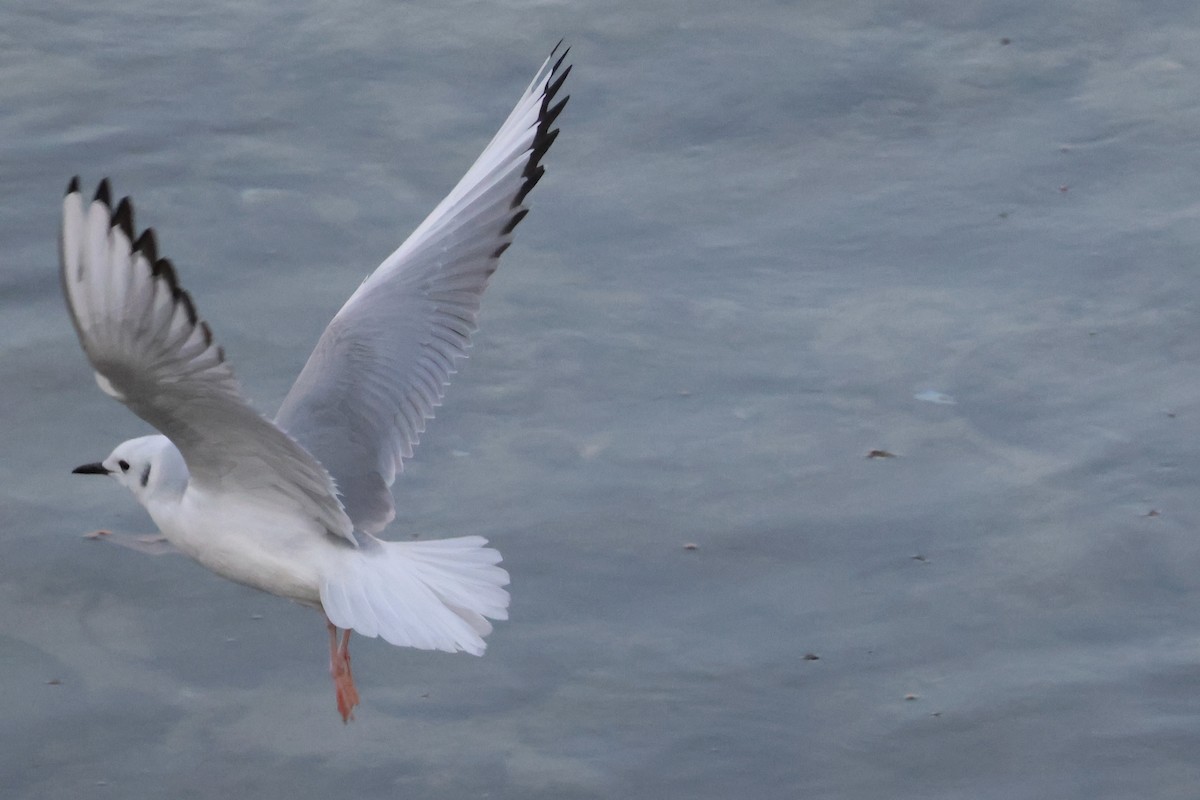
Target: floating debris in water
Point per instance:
(911, 696)
(933, 396)
(1154, 512)
(921, 558)
(691, 546)
(881, 454)
(811, 657)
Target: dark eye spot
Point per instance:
(124, 465)
(146, 475)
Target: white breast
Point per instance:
(251, 543)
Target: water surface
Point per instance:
(772, 238)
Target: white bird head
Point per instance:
(146, 466)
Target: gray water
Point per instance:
(771, 239)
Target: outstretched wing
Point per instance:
(382, 365)
(152, 352)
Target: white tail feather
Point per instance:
(433, 595)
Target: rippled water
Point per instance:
(772, 239)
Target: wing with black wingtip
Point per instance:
(152, 352)
(382, 365)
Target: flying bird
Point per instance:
(292, 506)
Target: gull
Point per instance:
(292, 506)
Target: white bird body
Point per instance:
(291, 506)
(255, 544)
(269, 547)
(261, 545)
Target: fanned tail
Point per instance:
(433, 595)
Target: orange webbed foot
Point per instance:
(343, 678)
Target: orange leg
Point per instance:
(339, 667)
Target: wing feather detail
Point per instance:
(151, 351)
(381, 367)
